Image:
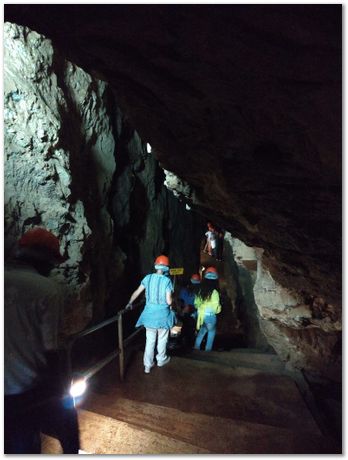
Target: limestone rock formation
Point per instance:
(58, 137)
(306, 332)
(63, 131)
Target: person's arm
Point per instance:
(135, 295)
(198, 302)
(169, 298)
(215, 301)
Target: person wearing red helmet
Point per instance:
(207, 303)
(157, 316)
(33, 378)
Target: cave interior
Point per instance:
(128, 127)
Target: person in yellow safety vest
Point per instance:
(207, 303)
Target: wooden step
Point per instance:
(214, 434)
(100, 434)
(193, 386)
(267, 362)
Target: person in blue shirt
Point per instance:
(157, 316)
(187, 298)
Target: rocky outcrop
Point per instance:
(305, 332)
(58, 138)
(240, 270)
(76, 166)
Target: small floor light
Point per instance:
(78, 388)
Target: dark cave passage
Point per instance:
(128, 129)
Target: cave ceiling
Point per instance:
(243, 102)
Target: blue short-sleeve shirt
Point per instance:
(156, 312)
(187, 297)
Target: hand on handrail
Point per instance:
(133, 305)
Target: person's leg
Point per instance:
(149, 352)
(217, 246)
(188, 330)
(200, 337)
(21, 428)
(162, 358)
(210, 322)
(185, 329)
(59, 419)
(191, 332)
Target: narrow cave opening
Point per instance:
(122, 171)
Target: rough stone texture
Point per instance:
(240, 269)
(62, 133)
(58, 138)
(306, 332)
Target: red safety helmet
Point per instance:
(41, 239)
(162, 263)
(211, 273)
(162, 260)
(195, 279)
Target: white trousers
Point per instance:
(151, 336)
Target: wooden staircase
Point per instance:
(237, 402)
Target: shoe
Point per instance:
(163, 363)
(147, 370)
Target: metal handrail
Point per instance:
(88, 373)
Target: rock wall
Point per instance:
(58, 139)
(64, 135)
(305, 332)
(240, 270)
(149, 219)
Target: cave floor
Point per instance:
(194, 406)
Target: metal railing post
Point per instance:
(120, 346)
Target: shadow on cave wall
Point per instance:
(83, 168)
(245, 311)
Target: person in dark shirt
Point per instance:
(187, 298)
